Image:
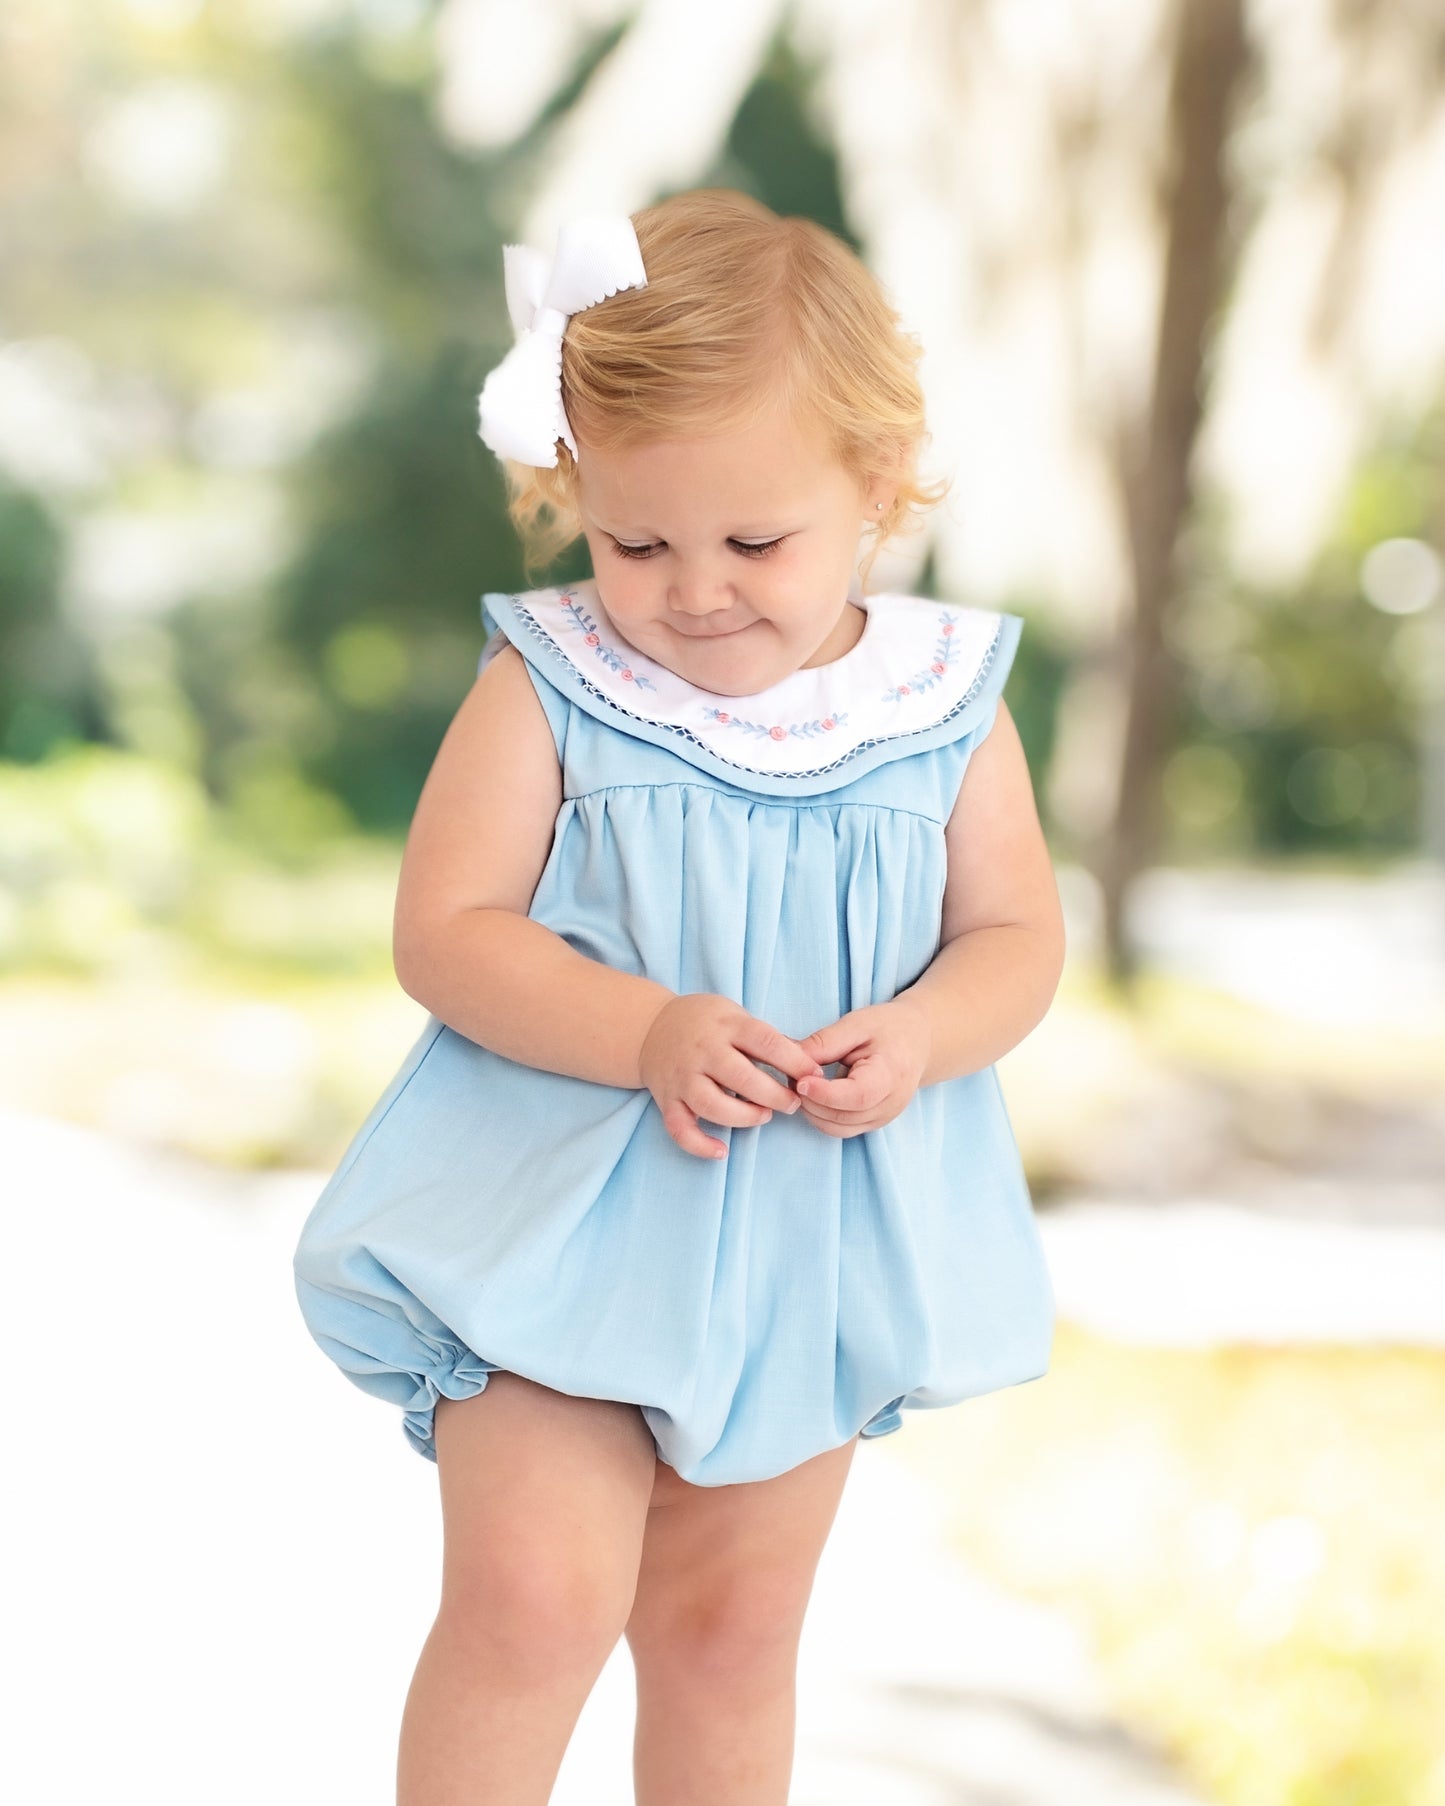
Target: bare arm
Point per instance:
(512, 985)
(1002, 938)
(463, 944)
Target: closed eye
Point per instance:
(759, 549)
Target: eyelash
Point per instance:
(758, 551)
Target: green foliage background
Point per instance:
(201, 806)
(311, 701)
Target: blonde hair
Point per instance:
(741, 307)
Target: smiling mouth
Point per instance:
(726, 633)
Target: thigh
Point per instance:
(734, 1556)
(544, 1495)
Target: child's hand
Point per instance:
(700, 1049)
(885, 1047)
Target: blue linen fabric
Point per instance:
(760, 1309)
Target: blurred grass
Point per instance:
(221, 981)
(1176, 1018)
(1250, 1536)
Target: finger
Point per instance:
(763, 1042)
(848, 1122)
(827, 1112)
(850, 1093)
(819, 1044)
(712, 1101)
(681, 1125)
(759, 1087)
(834, 1042)
(824, 1122)
(845, 1122)
(818, 1090)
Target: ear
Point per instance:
(883, 485)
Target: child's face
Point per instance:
(689, 593)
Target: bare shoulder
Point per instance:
(500, 737)
(484, 821)
(999, 868)
(503, 689)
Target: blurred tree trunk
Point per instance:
(1210, 59)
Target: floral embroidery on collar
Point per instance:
(922, 679)
(803, 729)
(916, 664)
(592, 636)
(943, 656)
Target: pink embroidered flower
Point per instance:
(777, 733)
(723, 715)
(937, 665)
(591, 639)
(627, 674)
(903, 689)
(828, 721)
(948, 626)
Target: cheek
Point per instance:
(623, 584)
(793, 577)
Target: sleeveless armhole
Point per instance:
(983, 727)
(554, 704)
(968, 650)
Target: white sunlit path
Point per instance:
(227, 1553)
(1330, 948)
(1198, 1273)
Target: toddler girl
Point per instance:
(724, 893)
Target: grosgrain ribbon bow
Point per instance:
(519, 411)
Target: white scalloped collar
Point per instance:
(914, 662)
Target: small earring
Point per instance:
(877, 504)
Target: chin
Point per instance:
(748, 685)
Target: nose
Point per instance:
(700, 593)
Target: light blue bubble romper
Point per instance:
(784, 849)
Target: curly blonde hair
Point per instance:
(741, 306)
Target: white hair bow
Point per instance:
(519, 411)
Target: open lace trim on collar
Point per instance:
(918, 663)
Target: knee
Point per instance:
(721, 1635)
(537, 1610)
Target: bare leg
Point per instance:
(544, 1504)
(724, 1584)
